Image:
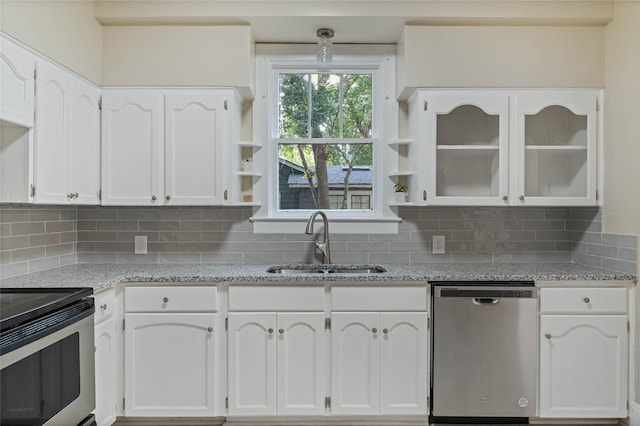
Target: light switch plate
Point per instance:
(140, 244)
(438, 244)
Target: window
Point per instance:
(325, 124)
(360, 202)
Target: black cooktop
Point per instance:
(18, 305)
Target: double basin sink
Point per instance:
(326, 269)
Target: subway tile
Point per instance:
(386, 257)
(244, 226)
(44, 215)
(250, 236)
(525, 213)
(200, 247)
(601, 250)
(595, 226)
(446, 213)
(44, 239)
(462, 235)
(179, 236)
(69, 214)
(553, 235)
(553, 257)
(515, 235)
(580, 248)
(96, 258)
(12, 243)
(60, 249)
(628, 254)
(14, 269)
(471, 257)
(261, 257)
(97, 214)
(620, 265)
(284, 246)
(578, 225)
(86, 225)
(628, 241)
(455, 225)
(86, 246)
(27, 228)
(218, 257)
(167, 225)
(200, 225)
(136, 258)
(5, 257)
(68, 237)
(459, 245)
(428, 257)
(482, 214)
(25, 254)
(60, 226)
(586, 237)
(346, 257)
(557, 213)
(44, 264)
(68, 259)
(117, 225)
(368, 246)
(514, 257)
(97, 236)
(346, 237)
(544, 225)
(408, 213)
(513, 224)
(179, 257)
(400, 236)
(564, 246)
(586, 213)
(408, 247)
(420, 225)
(161, 247)
(225, 236)
(223, 214)
(534, 246)
(5, 229)
(130, 235)
(299, 257)
(11, 215)
(584, 259)
(114, 247)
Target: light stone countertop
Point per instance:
(104, 276)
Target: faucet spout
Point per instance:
(323, 246)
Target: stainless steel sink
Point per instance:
(326, 269)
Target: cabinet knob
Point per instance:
(505, 198)
(75, 195)
(586, 300)
(548, 336)
(103, 307)
(165, 299)
(168, 197)
(521, 198)
(281, 331)
(374, 330)
(69, 195)
(385, 331)
(270, 331)
(210, 329)
(153, 198)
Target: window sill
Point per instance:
(288, 225)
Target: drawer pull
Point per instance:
(281, 331)
(548, 336)
(374, 330)
(103, 307)
(385, 331)
(165, 299)
(587, 300)
(270, 331)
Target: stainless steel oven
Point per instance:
(47, 357)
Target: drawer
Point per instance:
(586, 300)
(379, 299)
(170, 299)
(261, 298)
(105, 304)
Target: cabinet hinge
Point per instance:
(100, 194)
(100, 103)
(226, 402)
(628, 326)
(327, 324)
(428, 323)
(33, 190)
(424, 195)
(226, 194)
(123, 404)
(35, 73)
(597, 195)
(122, 324)
(597, 104)
(226, 105)
(426, 105)
(226, 323)
(327, 402)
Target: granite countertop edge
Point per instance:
(103, 276)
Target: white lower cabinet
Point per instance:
(276, 363)
(583, 353)
(379, 363)
(170, 362)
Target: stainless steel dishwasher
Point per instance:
(484, 362)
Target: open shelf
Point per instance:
(398, 142)
(468, 147)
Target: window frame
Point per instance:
(272, 60)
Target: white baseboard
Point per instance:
(634, 414)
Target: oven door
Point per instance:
(50, 381)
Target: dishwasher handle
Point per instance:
(485, 300)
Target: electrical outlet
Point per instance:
(140, 244)
(438, 244)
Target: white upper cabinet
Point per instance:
(17, 67)
(194, 143)
(467, 148)
(165, 147)
(132, 158)
(555, 150)
(504, 147)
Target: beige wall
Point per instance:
(65, 31)
(179, 56)
(494, 56)
(621, 209)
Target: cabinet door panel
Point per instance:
(16, 84)
(583, 366)
(195, 131)
(252, 364)
(169, 365)
(300, 353)
(132, 161)
(52, 134)
(106, 373)
(403, 363)
(84, 147)
(355, 363)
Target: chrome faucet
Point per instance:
(323, 246)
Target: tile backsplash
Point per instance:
(36, 238)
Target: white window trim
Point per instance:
(271, 59)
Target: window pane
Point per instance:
(293, 105)
(361, 202)
(325, 101)
(324, 176)
(357, 105)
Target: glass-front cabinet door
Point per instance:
(554, 147)
(467, 138)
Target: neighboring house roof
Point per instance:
(360, 175)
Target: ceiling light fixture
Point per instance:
(324, 44)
